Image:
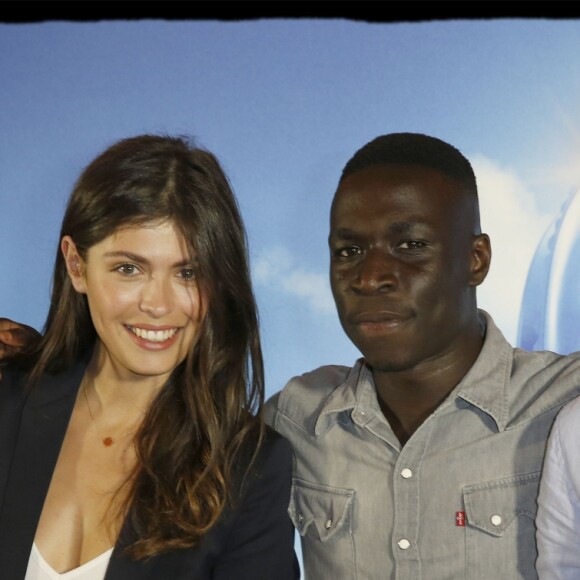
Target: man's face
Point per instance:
(405, 258)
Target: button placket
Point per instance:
(406, 500)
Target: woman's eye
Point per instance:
(188, 274)
(127, 269)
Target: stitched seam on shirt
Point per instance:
(418, 518)
(506, 382)
(351, 535)
(294, 422)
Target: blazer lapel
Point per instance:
(44, 421)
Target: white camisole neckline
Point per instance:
(40, 569)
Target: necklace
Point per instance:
(108, 440)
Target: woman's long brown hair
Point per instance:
(206, 421)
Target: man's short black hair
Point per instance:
(413, 149)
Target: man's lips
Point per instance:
(377, 322)
(381, 317)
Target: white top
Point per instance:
(39, 569)
(558, 519)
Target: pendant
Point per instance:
(107, 441)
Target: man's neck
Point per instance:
(408, 397)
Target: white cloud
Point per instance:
(275, 268)
(271, 265)
(510, 216)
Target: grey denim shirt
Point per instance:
(457, 501)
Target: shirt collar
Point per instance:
(486, 383)
(484, 386)
(346, 397)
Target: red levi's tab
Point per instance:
(460, 519)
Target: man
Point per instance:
(423, 460)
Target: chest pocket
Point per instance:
(323, 516)
(328, 510)
(500, 527)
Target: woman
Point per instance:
(558, 517)
(132, 440)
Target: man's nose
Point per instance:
(376, 272)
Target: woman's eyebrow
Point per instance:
(142, 260)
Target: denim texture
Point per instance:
(457, 501)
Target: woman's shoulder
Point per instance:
(275, 442)
(265, 447)
(265, 460)
(275, 449)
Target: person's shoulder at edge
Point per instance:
(567, 424)
(303, 395)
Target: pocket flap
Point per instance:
(325, 507)
(492, 506)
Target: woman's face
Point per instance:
(143, 297)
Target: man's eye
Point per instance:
(411, 245)
(347, 252)
(127, 269)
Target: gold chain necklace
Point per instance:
(108, 440)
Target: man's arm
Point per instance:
(14, 337)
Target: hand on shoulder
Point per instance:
(15, 336)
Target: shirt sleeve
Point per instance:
(558, 517)
(262, 539)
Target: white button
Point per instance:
(404, 544)
(362, 412)
(496, 520)
(406, 473)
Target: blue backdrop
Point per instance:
(284, 103)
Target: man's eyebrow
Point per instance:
(343, 233)
(397, 228)
(142, 260)
(402, 227)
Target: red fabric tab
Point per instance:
(460, 519)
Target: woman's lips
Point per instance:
(153, 339)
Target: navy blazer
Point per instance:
(252, 541)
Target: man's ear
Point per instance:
(75, 265)
(480, 259)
